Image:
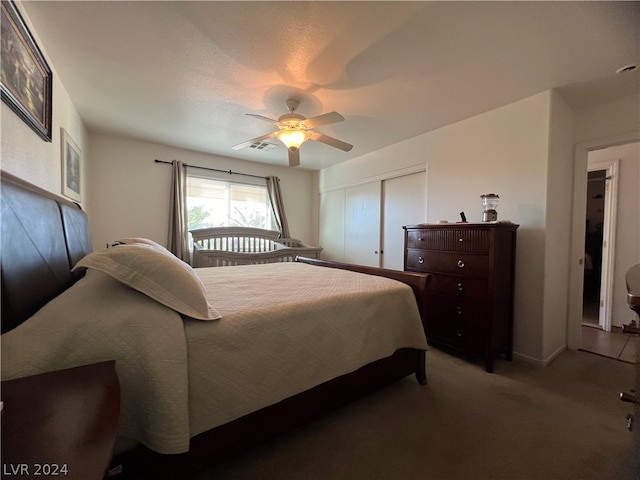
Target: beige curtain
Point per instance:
(275, 197)
(178, 243)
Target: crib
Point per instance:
(226, 246)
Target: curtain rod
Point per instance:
(214, 170)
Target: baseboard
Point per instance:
(538, 361)
(551, 357)
(528, 359)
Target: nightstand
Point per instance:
(60, 424)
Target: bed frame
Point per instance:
(44, 235)
(226, 246)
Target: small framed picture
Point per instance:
(71, 158)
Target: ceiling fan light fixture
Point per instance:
(295, 129)
(293, 138)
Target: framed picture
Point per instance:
(26, 80)
(71, 159)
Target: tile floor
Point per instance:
(614, 344)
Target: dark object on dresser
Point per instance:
(469, 304)
(60, 424)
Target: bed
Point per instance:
(191, 406)
(227, 246)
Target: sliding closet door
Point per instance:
(332, 225)
(405, 203)
(362, 224)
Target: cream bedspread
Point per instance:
(285, 328)
(101, 319)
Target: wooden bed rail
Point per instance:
(417, 281)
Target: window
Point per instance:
(218, 203)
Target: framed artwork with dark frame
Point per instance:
(26, 79)
(71, 159)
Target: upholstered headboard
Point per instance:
(43, 236)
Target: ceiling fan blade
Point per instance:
(294, 157)
(266, 119)
(254, 140)
(324, 119)
(334, 142)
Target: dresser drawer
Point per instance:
(452, 309)
(475, 288)
(449, 240)
(458, 322)
(450, 263)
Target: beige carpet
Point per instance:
(564, 421)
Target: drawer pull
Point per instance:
(458, 332)
(460, 287)
(460, 263)
(420, 260)
(459, 310)
(460, 240)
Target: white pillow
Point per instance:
(134, 240)
(161, 276)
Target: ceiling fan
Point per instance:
(294, 130)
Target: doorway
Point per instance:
(599, 257)
(598, 335)
(622, 154)
(606, 195)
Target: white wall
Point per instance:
(608, 119)
(557, 228)
(130, 192)
(27, 155)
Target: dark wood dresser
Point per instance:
(469, 305)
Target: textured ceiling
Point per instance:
(186, 73)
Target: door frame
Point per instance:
(576, 258)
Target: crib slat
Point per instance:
(226, 246)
